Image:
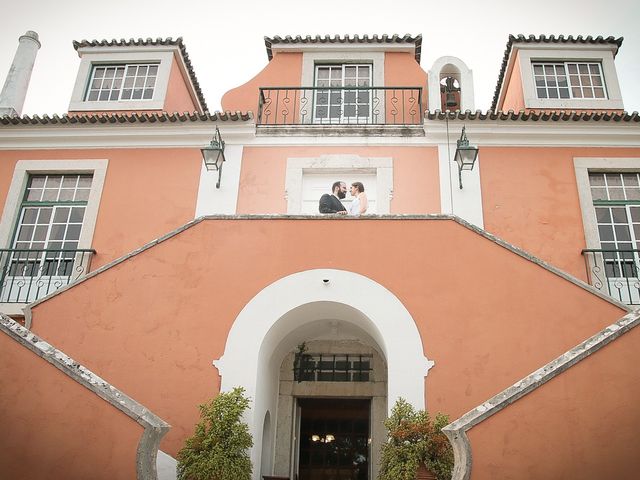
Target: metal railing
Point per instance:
(27, 275)
(318, 367)
(340, 106)
(615, 272)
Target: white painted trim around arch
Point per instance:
(258, 329)
(467, 98)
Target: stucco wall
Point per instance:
(154, 323)
(530, 198)
(402, 70)
(514, 94)
(54, 428)
(178, 98)
(147, 192)
(416, 185)
(284, 70)
(601, 419)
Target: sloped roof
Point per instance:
(140, 42)
(588, 40)
(362, 39)
(103, 118)
(554, 116)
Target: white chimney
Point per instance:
(15, 87)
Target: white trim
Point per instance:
(109, 56)
(97, 168)
(495, 133)
(310, 59)
(464, 75)
(23, 168)
(341, 164)
(465, 203)
(261, 336)
(337, 49)
(604, 56)
(582, 166)
(223, 200)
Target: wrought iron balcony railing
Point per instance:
(318, 367)
(340, 106)
(27, 275)
(615, 272)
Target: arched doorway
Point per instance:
(308, 305)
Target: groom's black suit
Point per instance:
(330, 204)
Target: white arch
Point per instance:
(467, 100)
(251, 358)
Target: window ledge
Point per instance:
(341, 130)
(574, 104)
(13, 309)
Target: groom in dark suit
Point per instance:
(330, 203)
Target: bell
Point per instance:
(450, 100)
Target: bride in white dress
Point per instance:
(359, 203)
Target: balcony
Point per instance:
(615, 273)
(28, 275)
(338, 106)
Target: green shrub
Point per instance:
(218, 450)
(414, 438)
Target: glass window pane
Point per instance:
(537, 69)
(599, 194)
(573, 68)
(619, 214)
(614, 179)
(603, 215)
(50, 195)
(66, 194)
(598, 92)
(73, 232)
(622, 233)
(25, 233)
(606, 232)
(40, 233)
(45, 215)
(34, 195)
(30, 215)
(635, 215)
(583, 68)
(61, 215)
(82, 195)
(77, 214)
(57, 232)
(616, 193)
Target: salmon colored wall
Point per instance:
(178, 98)
(514, 94)
(284, 70)
(402, 70)
(153, 324)
(592, 437)
(530, 198)
(53, 427)
(415, 176)
(147, 193)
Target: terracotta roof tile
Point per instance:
(588, 40)
(554, 116)
(140, 42)
(416, 41)
(120, 118)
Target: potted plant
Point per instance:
(416, 446)
(218, 450)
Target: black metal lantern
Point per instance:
(465, 156)
(213, 155)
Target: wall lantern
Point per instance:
(213, 155)
(465, 156)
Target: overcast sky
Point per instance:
(225, 38)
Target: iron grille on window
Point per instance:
(318, 367)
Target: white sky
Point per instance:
(224, 39)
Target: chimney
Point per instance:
(15, 87)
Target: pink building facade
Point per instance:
(501, 293)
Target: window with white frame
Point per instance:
(122, 82)
(44, 252)
(616, 201)
(340, 103)
(569, 80)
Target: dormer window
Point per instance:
(569, 80)
(122, 82)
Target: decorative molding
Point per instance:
(154, 427)
(456, 431)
